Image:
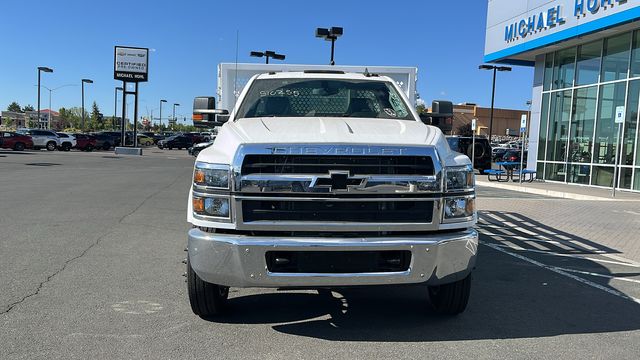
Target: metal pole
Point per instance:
(49, 117)
(135, 118)
(115, 109)
(38, 96)
(267, 59)
(124, 114)
(160, 120)
(473, 150)
(333, 41)
(174, 116)
(615, 169)
(493, 95)
(82, 106)
(524, 135)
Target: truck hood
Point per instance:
(332, 130)
(329, 130)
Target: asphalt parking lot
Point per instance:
(91, 249)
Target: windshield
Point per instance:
(323, 97)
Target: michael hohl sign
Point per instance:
(131, 64)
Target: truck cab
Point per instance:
(321, 179)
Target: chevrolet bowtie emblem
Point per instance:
(337, 181)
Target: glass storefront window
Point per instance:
(548, 71)
(615, 59)
(582, 121)
(635, 54)
(564, 68)
(559, 115)
(636, 179)
(625, 178)
(630, 124)
(555, 172)
(540, 169)
(579, 174)
(588, 64)
(603, 175)
(611, 96)
(544, 121)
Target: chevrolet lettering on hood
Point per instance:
(337, 150)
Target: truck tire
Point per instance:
(51, 145)
(206, 299)
(451, 299)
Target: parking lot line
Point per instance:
(562, 272)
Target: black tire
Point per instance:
(196, 152)
(65, 147)
(51, 145)
(170, 148)
(206, 299)
(88, 148)
(451, 299)
(106, 146)
(18, 146)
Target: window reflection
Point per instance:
(559, 125)
(611, 96)
(588, 66)
(564, 68)
(615, 60)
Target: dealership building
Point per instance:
(586, 86)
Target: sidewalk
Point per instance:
(566, 191)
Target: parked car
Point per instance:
(67, 141)
(195, 137)
(196, 148)
(145, 140)
(178, 141)
(103, 141)
(42, 139)
(15, 141)
(85, 142)
(207, 136)
(116, 137)
(482, 154)
(513, 156)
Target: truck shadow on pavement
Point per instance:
(516, 293)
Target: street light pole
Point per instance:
(174, 111)
(332, 35)
(40, 69)
(115, 106)
(268, 54)
(88, 81)
(493, 91)
(160, 120)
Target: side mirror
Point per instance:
(205, 113)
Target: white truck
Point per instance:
(321, 179)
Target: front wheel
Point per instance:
(51, 146)
(451, 299)
(18, 146)
(88, 148)
(206, 299)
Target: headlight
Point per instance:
(459, 178)
(216, 206)
(459, 208)
(211, 175)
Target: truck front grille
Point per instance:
(378, 211)
(323, 164)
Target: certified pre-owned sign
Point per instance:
(131, 64)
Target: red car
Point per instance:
(15, 141)
(85, 142)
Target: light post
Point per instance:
(40, 69)
(332, 35)
(174, 112)
(50, 91)
(268, 54)
(160, 120)
(493, 91)
(88, 81)
(115, 106)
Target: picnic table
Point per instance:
(507, 171)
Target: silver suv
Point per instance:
(42, 138)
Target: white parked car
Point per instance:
(42, 139)
(67, 141)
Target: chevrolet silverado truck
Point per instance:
(326, 179)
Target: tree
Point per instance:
(96, 120)
(70, 118)
(15, 107)
(28, 108)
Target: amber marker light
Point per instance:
(198, 204)
(198, 177)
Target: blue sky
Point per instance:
(444, 39)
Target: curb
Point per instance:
(550, 193)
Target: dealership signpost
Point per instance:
(473, 143)
(619, 119)
(131, 65)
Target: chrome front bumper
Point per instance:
(239, 260)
